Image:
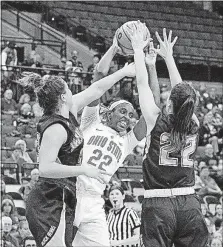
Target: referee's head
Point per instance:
(116, 196)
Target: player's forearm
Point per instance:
(174, 74)
(101, 86)
(56, 170)
(105, 62)
(102, 69)
(141, 71)
(154, 83)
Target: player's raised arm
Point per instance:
(102, 68)
(90, 114)
(166, 52)
(150, 60)
(148, 107)
(96, 90)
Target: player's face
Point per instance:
(121, 117)
(116, 198)
(68, 96)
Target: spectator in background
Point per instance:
(215, 242)
(75, 80)
(6, 230)
(23, 231)
(37, 110)
(8, 209)
(4, 195)
(34, 58)
(123, 222)
(29, 242)
(9, 58)
(209, 187)
(22, 145)
(63, 63)
(28, 187)
(218, 212)
(75, 62)
(211, 99)
(136, 158)
(16, 157)
(96, 59)
(209, 154)
(33, 153)
(8, 104)
(26, 124)
(24, 99)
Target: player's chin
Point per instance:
(121, 128)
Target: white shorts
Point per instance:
(91, 222)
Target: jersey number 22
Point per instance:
(105, 160)
(166, 160)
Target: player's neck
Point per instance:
(118, 207)
(63, 111)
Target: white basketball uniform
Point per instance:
(106, 149)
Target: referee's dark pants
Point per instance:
(174, 220)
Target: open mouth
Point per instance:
(123, 124)
(115, 201)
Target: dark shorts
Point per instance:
(173, 220)
(43, 211)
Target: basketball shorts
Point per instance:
(50, 217)
(173, 220)
(91, 222)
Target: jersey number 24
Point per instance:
(166, 160)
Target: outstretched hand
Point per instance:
(129, 70)
(136, 35)
(150, 57)
(166, 46)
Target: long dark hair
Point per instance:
(47, 88)
(183, 98)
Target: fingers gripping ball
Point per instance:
(124, 41)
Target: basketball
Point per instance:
(124, 41)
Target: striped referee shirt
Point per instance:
(121, 224)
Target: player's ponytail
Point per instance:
(47, 88)
(184, 99)
(30, 79)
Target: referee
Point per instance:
(123, 222)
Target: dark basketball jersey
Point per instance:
(163, 169)
(70, 152)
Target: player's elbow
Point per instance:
(45, 169)
(99, 69)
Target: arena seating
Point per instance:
(192, 24)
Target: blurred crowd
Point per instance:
(20, 114)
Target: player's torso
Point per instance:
(104, 149)
(163, 169)
(69, 153)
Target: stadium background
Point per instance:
(47, 34)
